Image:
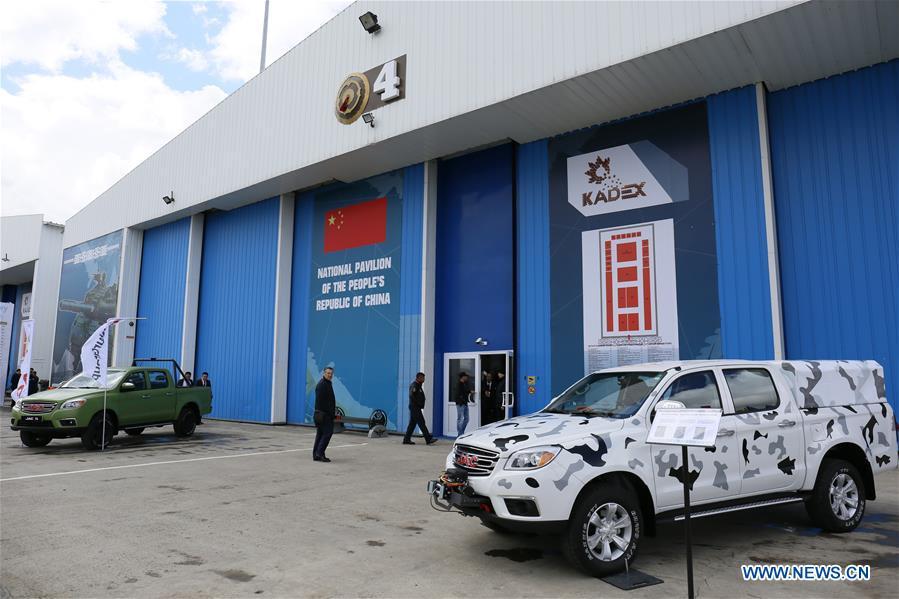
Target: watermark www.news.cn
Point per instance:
(809, 572)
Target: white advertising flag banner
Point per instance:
(7, 311)
(95, 352)
(27, 333)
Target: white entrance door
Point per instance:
(488, 388)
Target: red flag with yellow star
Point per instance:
(353, 226)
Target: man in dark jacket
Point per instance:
(463, 396)
(416, 418)
(33, 382)
(203, 381)
(325, 408)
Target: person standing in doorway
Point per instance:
(463, 395)
(325, 408)
(416, 417)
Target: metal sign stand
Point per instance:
(676, 425)
(687, 538)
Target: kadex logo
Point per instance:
(609, 191)
(634, 175)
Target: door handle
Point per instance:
(726, 432)
(786, 423)
(145, 396)
(169, 392)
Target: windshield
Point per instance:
(611, 394)
(82, 381)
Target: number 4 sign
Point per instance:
(387, 84)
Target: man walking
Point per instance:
(416, 417)
(325, 408)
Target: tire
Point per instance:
(593, 550)
(31, 439)
(93, 434)
(134, 432)
(837, 503)
(186, 423)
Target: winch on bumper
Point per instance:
(451, 491)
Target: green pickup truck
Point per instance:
(137, 398)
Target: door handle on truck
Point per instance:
(145, 396)
(725, 432)
(169, 392)
(786, 423)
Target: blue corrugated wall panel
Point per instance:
(235, 327)
(410, 287)
(743, 286)
(299, 308)
(163, 267)
(835, 160)
(533, 333)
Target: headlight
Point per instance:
(72, 404)
(531, 459)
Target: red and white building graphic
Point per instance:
(628, 282)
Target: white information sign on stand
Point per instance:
(688, 427)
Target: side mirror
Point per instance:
(128, 386)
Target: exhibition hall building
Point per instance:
(522, 192)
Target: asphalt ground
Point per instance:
(241, 510)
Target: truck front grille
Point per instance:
(38, 407)
(475, 460)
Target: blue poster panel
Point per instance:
(632, 243)
(354, 295)
(88, 296)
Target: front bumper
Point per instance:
(56, 424)
(519, 514)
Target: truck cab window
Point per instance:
(158, 379)
(138, 379)
(751, 389)
(695, 390)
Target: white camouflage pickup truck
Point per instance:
(812, 431)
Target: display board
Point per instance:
(631, 210)
(88, 296)
(688, 427)
(354, 314)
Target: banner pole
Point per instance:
(103, 434)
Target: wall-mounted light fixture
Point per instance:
(481, 341)
(370, 22)
(169, 198)
(369, 119)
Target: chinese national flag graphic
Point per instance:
(356, 225)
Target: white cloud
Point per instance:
(194, 60)
(66, 140)
(236, 47)
(49, 33)
(199, 8)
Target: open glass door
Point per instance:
(488, 388)
(454, 366)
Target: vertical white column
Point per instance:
(44, 298)
(192, 292)
(428, 297)
(770, 224)
(281, 337)
(129, 287)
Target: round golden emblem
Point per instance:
(352, 98)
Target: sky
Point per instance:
(90, 88)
